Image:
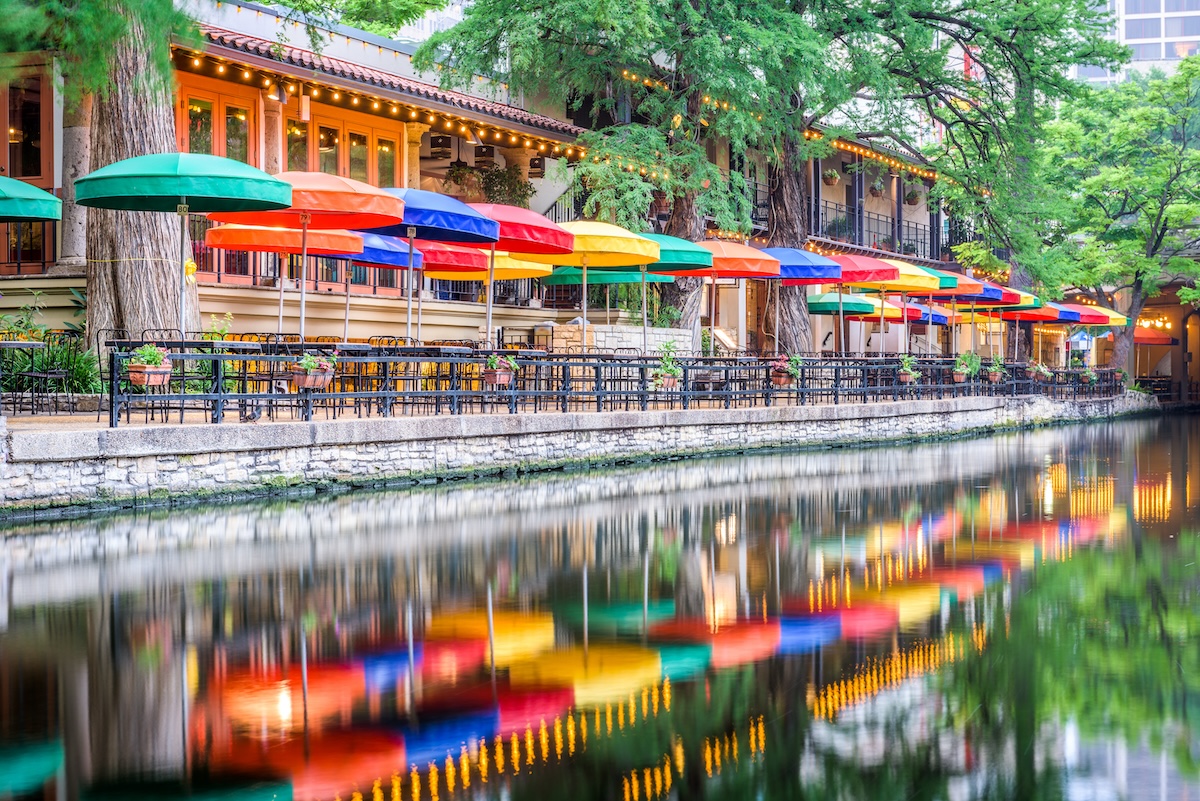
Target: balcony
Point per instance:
(836, 224)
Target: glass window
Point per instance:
(1093, 72)
(1182, 5)
(386, 278)
(237, 134)
(297, 146)
(1183, 26)
(1146, 52)
(25, 127)
(1142, 29)
(328, 146)
(385, 162)
(200, 126)
(1142, 6)
(359, 160)
(1178, 50)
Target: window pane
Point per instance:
(25, 128)
(386, 277)
(237, 134)
(328, 145)
(297, 139)
(358, 156)
(1093, 72)
(1141, 6)
(385, 161)
(1183, 5)
(1183, 26)
(1142, 29)
(1178, 50)
(200, 126)
(1146, 52)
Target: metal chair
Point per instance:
(52, 370)
(105, 335)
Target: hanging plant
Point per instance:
(506, 185)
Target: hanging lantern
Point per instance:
(537, 167)
(485, 156)
(439, 146)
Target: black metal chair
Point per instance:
(52, 371)
(105, 335)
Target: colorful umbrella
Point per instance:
(798, 267)
(183, 183)
(1093, 315)
(380, 251)
(1149, 336)
(674, 253)
(860, 268)
(22, 202)
(283, 241)
(323, 201)
(573, 276)
(909, 279)
(838, 303)
(505, 267)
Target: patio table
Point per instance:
(17, 344)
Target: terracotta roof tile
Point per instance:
(384, 80)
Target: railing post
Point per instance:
(599, 384)
(218, 364)
(114, 415)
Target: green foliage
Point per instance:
(81, 368)
(839, 227)
(507, 185)
(788, 364)
(219, 327)
(79, 304)
(908, 366)
(316, 363)
(26, 323)
(382, 17)
(666, 360)
(658, 314)
(968, 362)
(150, 355)
(497, 362)
(997, 365)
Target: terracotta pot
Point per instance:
(782, 378)
(314, 380)
(912, 201)
(143, 375)
(825, 179)
(960, 378)
(905, 378)
(995, 377)
(499, 377)
(876, 192)
(666, 381)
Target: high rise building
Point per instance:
(1158, 32)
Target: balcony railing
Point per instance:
(29, 248)
(842, 223)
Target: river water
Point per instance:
(1013, 617)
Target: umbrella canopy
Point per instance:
(890, 311)
(1114, 317)
(989, 294)
(1036, 314)
(1150, 336)
(734, 260)
(22, 202)
(328, 201)
(508, 268)
(679, 254)
(601, 245)
(1094, 315)
(263, 239)
(524, 231)
(946, 281)
(963, 287)
(599, 674)
(453, 258)
(572, 276)
(798, 267)
(865, 268)
(827, 303)
(909, 278)
(164, 181)
(386, 251)
(441, 218)
(929, 315)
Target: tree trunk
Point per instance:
(1123, 338)
(76, 162)
(685, 294)
(789, 229)
(133, 257)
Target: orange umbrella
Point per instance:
(330, 765)
(323, 201)
(263, 239)
(730, 260)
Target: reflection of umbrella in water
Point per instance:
(914, 602)
(964, 581)
(517, 635)
(515, 708)
(215, 788)
(435, 739)
(332, 764)
(733, 644)
(601, 673)
(801, 635)
(275, 702)
(683, 660)
(620, 617)
(26, 766)
(384, 671)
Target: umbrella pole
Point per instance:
(607, 304)
(487, 299)
(279, 280)
(778, 327)
(420, 305)
(839, 340)
(954, 327)
(712, 316)
(304, 219)
(346, 321)
(412, 234)
(974, 328)
(905, 330)
(645, 326)
(183, 215)
(882, 308)
(583, 328)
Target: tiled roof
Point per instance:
(369, 76)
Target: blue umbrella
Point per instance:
(439, 218)
(380, 251)
(928, 316)
(798, 267)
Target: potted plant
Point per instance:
(313, 371)
(830, 177)
(786, 369)
(996, 370)
(150, 366)
(1088, 376)
(839, 228)
(876, 187)
(667, 375)
(499, 370)
(912, 197)
(909, 248)
(1040, 371)
(908, 372)
(966, 364)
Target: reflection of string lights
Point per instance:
(1152, 500)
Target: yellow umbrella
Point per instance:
(517, 635)
(1115, 318)
(911, 278)
(508, 268)
(599, 674)
(600, 245)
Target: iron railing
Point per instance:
(841, 223)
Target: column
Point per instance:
(519, 156)
(898, 222)
(858, 188)
(743, 310)
(272, 157)
(412, 159)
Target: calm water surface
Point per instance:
(1002, 618)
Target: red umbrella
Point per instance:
(861, 269)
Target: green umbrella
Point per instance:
(21, 202)
(27, 766)
(675, 255)
(827, 303)
(572, 276)
(182, 183)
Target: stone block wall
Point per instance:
(607, 338)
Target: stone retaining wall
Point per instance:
(129, 466)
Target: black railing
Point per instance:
(29, 247)
(841, 223)
(387, 382)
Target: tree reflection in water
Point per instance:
(977, 619)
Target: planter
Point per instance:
(666, 381)
(499, 377)
(912, 201)
(782, 378)
(144, 375)
(825, 179)
(906, 378)
(960, 378)
(994, 377)
(875, 192)
(1087, 379)
(314, 380)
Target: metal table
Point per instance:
(16, 344)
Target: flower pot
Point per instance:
(782, 378)
(666, 381)
(960, 378)
(825, 179)
(995, 376)
(498, 377)
(875, 192)
(912, 201)
(906, 378)
(145, 375)
(318, 379)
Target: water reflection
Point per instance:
(1010, 617)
